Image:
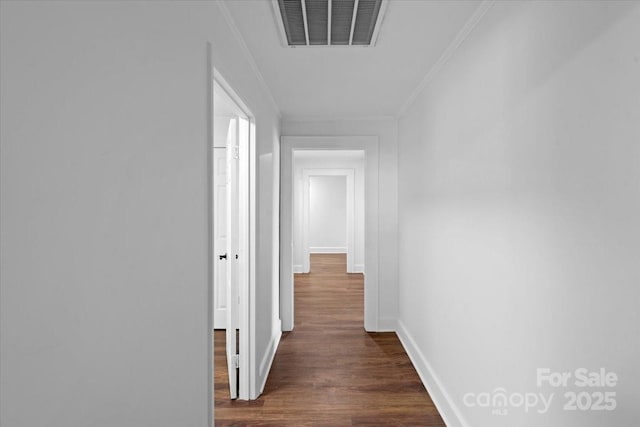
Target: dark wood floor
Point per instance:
(329, 371)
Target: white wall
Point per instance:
(220, 131)
(104, 218)
(327, 213)
(329, 159)
(387, 132)
(519, 211)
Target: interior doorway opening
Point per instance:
(326, 210)
(362, 237)
(233, 137)
(328, 207)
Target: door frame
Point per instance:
(369, 144)
(350, 220)
(246, 249)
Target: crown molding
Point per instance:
(334, 118)
(247, 54)
(462, 35)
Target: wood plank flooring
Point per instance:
(329, 371)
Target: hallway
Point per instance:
(329, 371)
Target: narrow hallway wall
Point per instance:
(104, 210)
(519, 211)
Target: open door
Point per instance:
(232, 236)
(220, 237)
(232, 306)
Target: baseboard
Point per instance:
(270, 354)
(387, 324)
(358, 268)
(298, 269)
(327, 250)
(441, 399)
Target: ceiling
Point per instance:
(335, 82)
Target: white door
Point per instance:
(231, 258)
(220, 237)
(231, 235)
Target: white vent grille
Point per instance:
(329, 22)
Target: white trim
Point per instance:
(247, 54)
(334, 117)
(270, 354)
(358, 268)
(462, 35)
(253, 378)
(210, 254)
(446, 406)
(350, 225)
(372, 230)
(327, 250)
(245, 229)
(298, 268)
(387, 324)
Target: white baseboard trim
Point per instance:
(442, 400)
(358, 268)
(327, 250)
(387, 324)
(270, 354)
(298, 269)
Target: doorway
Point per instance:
(327, 217)
(294, 253)
(233, 138)
(328, 207)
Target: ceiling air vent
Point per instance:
(329, 22)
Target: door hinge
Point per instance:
(235, 360)
(236, 152)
